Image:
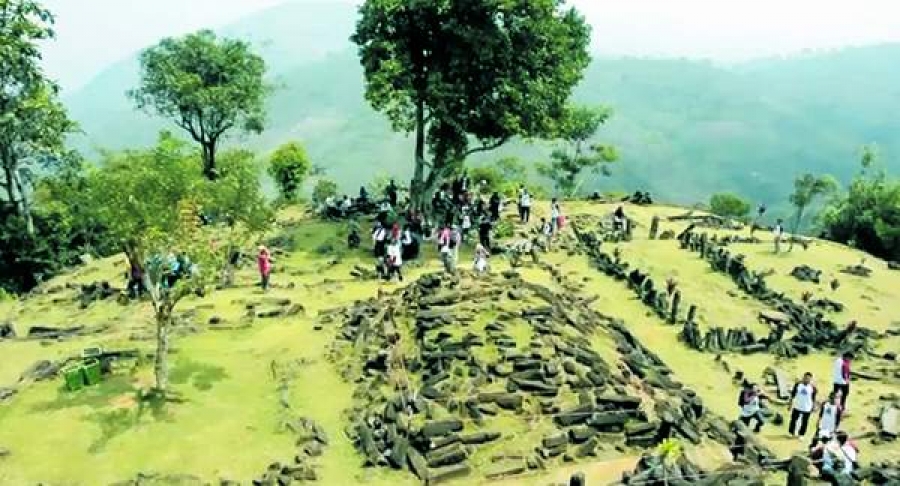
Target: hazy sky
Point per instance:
(94, 33)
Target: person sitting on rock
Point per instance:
(619, 220)
(353, 239)
(750, 402)
(481, 259)
(838, 458)
(346, 206)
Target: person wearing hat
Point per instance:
(264, 260)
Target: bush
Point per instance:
(324, 189)
(729, 205)
(289, 166)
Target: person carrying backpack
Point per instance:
(829, 419)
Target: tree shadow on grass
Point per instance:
(93, 396)
(114, 423)
(201, 376)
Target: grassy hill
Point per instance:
(686, 129)
(241, 379)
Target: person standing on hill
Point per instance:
(481, 259)
(394, 259)
(494, 206)
(555, 214)
(778, 232)
(547, 232)
(803, 401)
(524, 206)
(264, 261)
(829, 419)
(841, 377)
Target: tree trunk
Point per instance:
(161, 365)
(24, 207)
(209, 159)
(416, 185)
(10, 187)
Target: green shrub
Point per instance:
(729, 205)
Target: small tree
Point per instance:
(808, 188)
(289, 166)
(576, 155)
(150, 202)
(207, 85)
(324, 189)
(729, 205)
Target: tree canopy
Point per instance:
(33, 123)
(868, 215)
(289, 166)
(455, 72)
(729, 205)
(207, 85)
(575, 130)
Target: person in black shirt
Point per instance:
(484, 233)
(494, 206)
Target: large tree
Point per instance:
(207, 85)
(576, 154)
(33, 123)
(455, 72)
(150, 202)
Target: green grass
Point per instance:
(229, 421)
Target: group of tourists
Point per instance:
(830, 448)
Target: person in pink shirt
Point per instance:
(841, 377)
(264, 260)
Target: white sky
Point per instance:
(94, 33)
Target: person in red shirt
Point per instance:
(264, 260)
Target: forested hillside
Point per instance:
(685, 129)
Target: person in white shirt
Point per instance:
(394, 260)
(778, 232)
(829, 419)
(803, 401)
(555, 213)
(481, 259)
(751, 406)
(840, 377)
(524, 206)
(839, 457)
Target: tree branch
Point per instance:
(486, 147)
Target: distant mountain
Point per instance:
(685, 129)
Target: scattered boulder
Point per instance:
(7, 393)
(859, 270)
(7, 331)
(805, 273)
(40, 371)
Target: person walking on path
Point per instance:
(264, 261)
(841, 377)
(829, 419)
(803, 401)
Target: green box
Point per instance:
(91, 370)
(74, 377)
